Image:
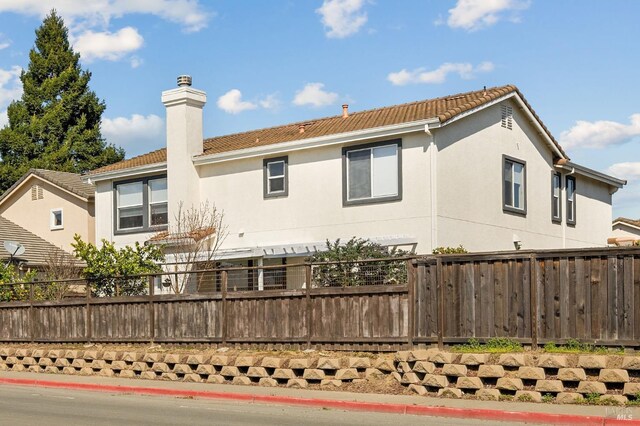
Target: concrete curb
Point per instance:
(434, 411)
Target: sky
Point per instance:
(266, 63)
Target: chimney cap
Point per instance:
(184, 80)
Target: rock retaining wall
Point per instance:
(513, 376)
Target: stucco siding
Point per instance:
(470, 189)
(35, 215)
(313, 209)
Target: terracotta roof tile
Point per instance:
(444, 109)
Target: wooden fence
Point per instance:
(534, 297)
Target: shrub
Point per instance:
(348, 269)
(115, 272)
(15, 292)
(450, 250)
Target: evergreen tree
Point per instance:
(56, 124)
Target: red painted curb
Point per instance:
(434, 411)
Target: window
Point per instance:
(514, 192)
(158, 208)
(556, 206)
(141, 205)
(372, 173)
(275, 177)
(55, 219)
(571, 200)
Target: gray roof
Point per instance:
(71, 182)
(37, 249)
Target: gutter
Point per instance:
(574, 168)
(321, 141)
(128, 172)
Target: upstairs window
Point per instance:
(556, 206)
(275, 177)
(141, 205)
(571, 200)
(372, 173)
(158, 207)
(514, 186)
(55, 219)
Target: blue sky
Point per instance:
(264, 63)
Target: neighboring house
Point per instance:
(625, 231)
(52, 205)
(37, 251)
(478, 169)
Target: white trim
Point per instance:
(52, 225)
(619, 222)
(321, 141)
(126, 173)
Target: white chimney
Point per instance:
(184, 140)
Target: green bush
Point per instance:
(495, 344)
(450, 250)
(346, 267)
(15, 292)
(106, 263)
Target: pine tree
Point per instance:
(56, 123)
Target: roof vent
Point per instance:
(345, 111)
(184, 80)
(507, 117)
(301, 128)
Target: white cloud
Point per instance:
(232, 102)
(88, 13)
(10, 85)
(106, 45)
(465, 70)
(4, 42)
(4, 120)
(342, 18)
(628, 170)
(270, 102)
(136, 61)
(473, 15)
(312, 94)
(600, 134)
(137, 134)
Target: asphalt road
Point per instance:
(22, 405)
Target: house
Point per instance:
(52, 205)
(37, 252)
(625, 231)
(478, 169)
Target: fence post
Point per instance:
(411, 299)
(32, 315)
(440, 301)
(533, 286)
(87, 322)
(307, 270)
(152, 316)
(224, 306)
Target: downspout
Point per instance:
(433, 186)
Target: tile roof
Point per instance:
(444, 109)
(628, 221)
(37, 249)
(72, 182)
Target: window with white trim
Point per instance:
(275, 177)
(556, 205)
(141, 205)
(571, 200)
(372, 173)
(514, 186)
(56, 219)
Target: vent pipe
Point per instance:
(345, 111)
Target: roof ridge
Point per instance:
(315, 120)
